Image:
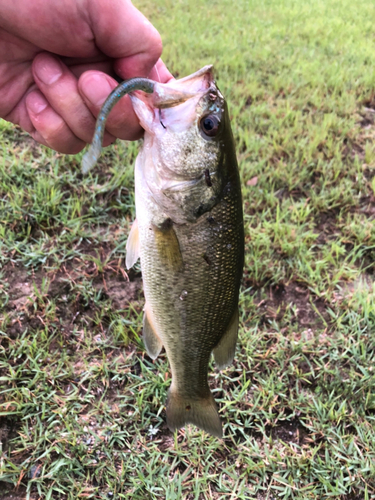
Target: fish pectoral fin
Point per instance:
(168, 247)
(226, 348)
(201, 412)
(151, 339)
(132, 246)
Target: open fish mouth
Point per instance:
(162, 96)
(167, 95)
(185, 94)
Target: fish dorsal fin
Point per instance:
(151, 339)
(226, 348)
(132, 246)
(168, 246)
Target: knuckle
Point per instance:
(53, 135)
(84, 128)
(156, 47)
(62, 140)
(153, 45)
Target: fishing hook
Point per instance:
(162, 124)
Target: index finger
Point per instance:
(121, 31)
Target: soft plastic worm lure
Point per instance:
(91, 156)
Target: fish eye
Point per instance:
(210, 125)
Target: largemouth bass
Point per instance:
(189, 236)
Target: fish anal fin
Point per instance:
(226, 348)
(168, 246)
(152, 341)
(201, 412)
(132, 246)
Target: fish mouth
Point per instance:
(179, 91)
(187, 91)
(175, 92)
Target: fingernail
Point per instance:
(36, 102)
(96, 89)
(48, 69)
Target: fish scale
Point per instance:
(212, 296)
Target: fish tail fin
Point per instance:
(201, 412)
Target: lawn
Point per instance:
(82, 406)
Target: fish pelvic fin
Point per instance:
(151, 339)
(226, 348)
(132, 246)
(201, 412)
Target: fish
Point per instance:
(189, 236)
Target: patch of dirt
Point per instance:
(365, 283)
(326, 227)
(367, 204)
(308, 313)
(284, 193)
(352, 150)
(8, 431)
(9, 493)
(20, 139)
(290, 431)
(365, 138)
(120, 291)
(353, 496)
(19, 285)
(370, 101)
(23, 286)
(368, 118)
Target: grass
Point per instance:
(82, 406)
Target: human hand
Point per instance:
(57, 62)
